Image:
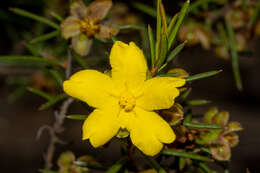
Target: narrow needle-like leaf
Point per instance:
(76, 117)
(176, 27)
(117, 166)
(197, 102)
(205, 168)
(79, 60)
(255, 14)
(175, 52)
(186, 155)
(234, 54)
(27, 60)
(52, 102)
(125, 27)
(158, 31)
(57, 76)
(152, 44)
(168, 75)
(201, 125)
(172, 22)
(154, 164)
(202, 75)
(89, 165)
(56, 16)
(183, 96)
(148, 10)
(40, 93)
(45, 37)
(30, 15)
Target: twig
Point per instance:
(54, 130)
(57, 127)
(68, 69)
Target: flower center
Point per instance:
(127, 101)
(90, 26)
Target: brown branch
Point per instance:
(57, 127)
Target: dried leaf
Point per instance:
(70, 27)
(81, 44)
(99, 9)
(78, 9)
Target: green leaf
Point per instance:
(205, 167)
(52, 102)
(223, 34)
(175, 29)
(152, 45)
(27, 60)
(113, 38)
(154, 164)
(145, 8)
(57, 76)
(158, 31)
(30, 15)
(40, 93)
(89, 165)
(188, 117)
(56, 16)
(172, 22)
(32, 49)
(184, 96)
(182, 163)
(199, 3)
(168, 75)
(244, 5)
(45, 37)
(197, 102)
(185, 155)
(77, 117)
(201, 125)
(116, 167)
(176, 51)
(202, 75)
(255, 14)
(148, 10)
(234, 54)
(163, 50)
(79, 60)
(125, 27)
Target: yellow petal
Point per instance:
(70, 27)
(159, 93)
(90, 86)
(128, 64)
(148, 131)
(101, 125)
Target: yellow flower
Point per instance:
(126, 100)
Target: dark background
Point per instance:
(20, 120)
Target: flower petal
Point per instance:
(106, 30)
(78, 9)
(99, 9)
(81, 44)
(90, 86)
(148, 131)
(128, 64)
(70, 27)
(159, 93)
(101, 125)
